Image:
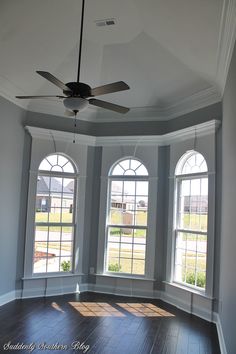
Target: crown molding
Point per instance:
(226, 42)
(203, 129)
(6, 87)
(48, 134)
(194, 102)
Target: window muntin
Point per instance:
(127, 218)
(191, 221)
(54, 215)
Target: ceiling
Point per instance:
(171, 53)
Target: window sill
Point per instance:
(123, 276)
(188, 289)
(49, 276)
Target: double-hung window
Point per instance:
(126, 228)
(55, 215)
(191, 220)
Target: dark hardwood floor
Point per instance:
(106, 324)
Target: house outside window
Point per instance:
(126, 229)
(55, 215)
(191, 221)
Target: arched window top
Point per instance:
(128, 167)
(191, 162)
(57, 163)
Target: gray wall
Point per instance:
(227, 306)
(12, 137)
(125, 128)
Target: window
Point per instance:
(127, 218)
(191, 220)
(54, 215)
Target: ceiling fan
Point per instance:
(77, 95)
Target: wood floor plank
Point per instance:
(107, 324)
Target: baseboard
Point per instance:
(220, 335)
(121, 291)
(205, 314)
(8, 297)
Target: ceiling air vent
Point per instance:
(106, 22)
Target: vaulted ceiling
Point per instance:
(172, 53)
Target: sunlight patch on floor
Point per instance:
(98, 309)
(144, 310)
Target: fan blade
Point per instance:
(108, 105)
(114, 87)
(29, 97)
(54, 80)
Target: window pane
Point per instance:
(53, 264)
(40, 249)
(43, 185)
(138, 267)
(125, 164)
(135, 164)
(39, 265)
(41, 233)
(201, 279)
(118, 171)
(142, 188)
(57, 168)
(55, 215)
(201, 262)
(68, 185)
(54, 233)
(141, 218)
(52, 159)
(141, 202)
(139, 251)
(56, 184)
(62, 160)
(67, 216)
(126, 250)
(69, 168)
(113, 264)
(65, 264)
(190, 258)
(66, 248)
(141, 171)
(113, 234)
(116, 187)
(140, 236)
(67, 233)
(116, 216)
(45, 165)
(54, 249)
(127, 235)
(125, 265)
(113, 250)
(129, 188)
(41, 216)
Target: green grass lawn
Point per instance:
(54, 218)
(195, 222)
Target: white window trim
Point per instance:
(176, 152)
(178, 180)
(30, 224)
(145, 227)
(73, 224)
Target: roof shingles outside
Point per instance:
(56, 187)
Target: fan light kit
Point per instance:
(77, 96)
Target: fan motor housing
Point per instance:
(78, 89)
